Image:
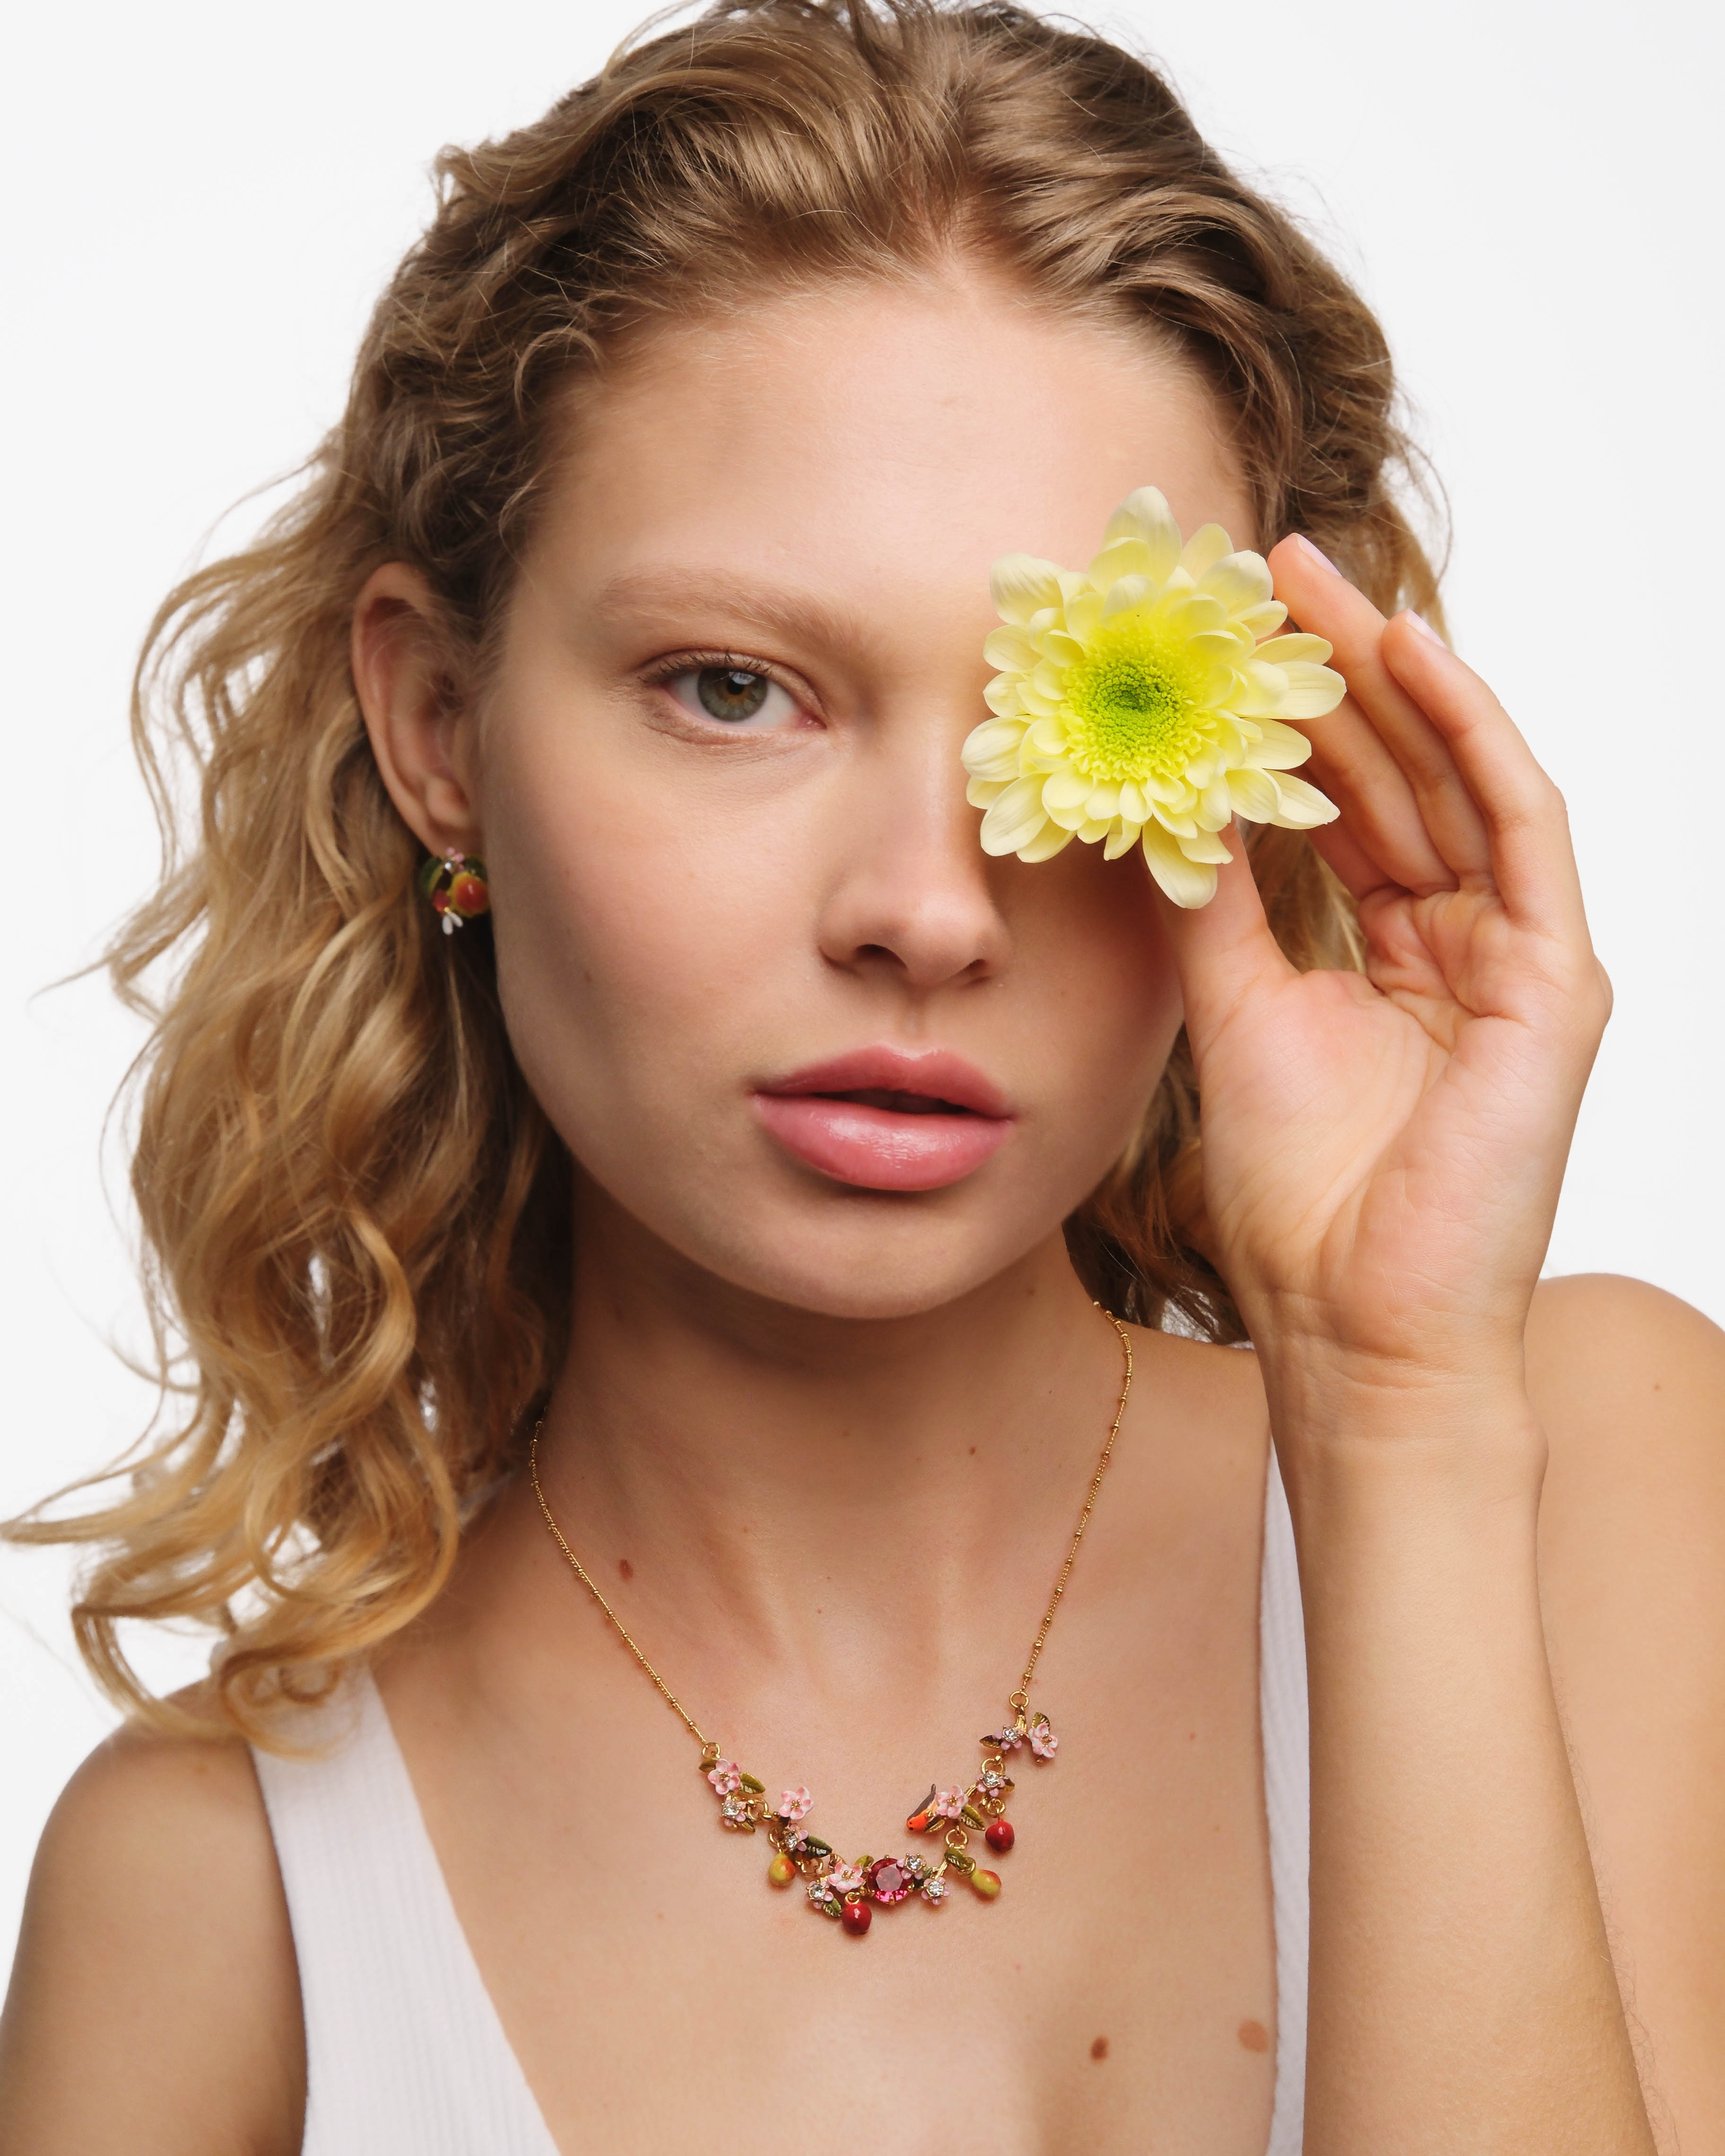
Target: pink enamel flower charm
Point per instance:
(795, 1805)
(1043, 1741)
(846, 1880)
(725, 1777)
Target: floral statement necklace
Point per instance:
(849, 1892)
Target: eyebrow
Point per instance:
(746, 599)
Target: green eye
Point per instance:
(738, 696)
(730, 692)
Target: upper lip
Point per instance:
(936, 1073)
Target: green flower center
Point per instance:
(1134, 706)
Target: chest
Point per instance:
(1118, 1995)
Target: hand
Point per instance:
(1382, 1152)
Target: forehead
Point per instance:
(942, 421)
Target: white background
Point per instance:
(202, 200)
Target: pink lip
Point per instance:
(876, 1145)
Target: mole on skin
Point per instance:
(1098, 2050)
(625, 1570)
(1254, 2035)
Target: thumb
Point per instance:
(1224, 952)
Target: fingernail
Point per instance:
(1305, 546)
(1424, 627)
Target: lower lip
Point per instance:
(876, 1148)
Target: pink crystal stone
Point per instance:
(889, 1881)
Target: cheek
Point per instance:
(1094, 963)
(629, 948)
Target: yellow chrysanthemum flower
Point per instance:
(1142, 702)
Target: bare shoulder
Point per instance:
(1630, 1385)
(154, 2004)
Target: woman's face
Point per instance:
(753, 960)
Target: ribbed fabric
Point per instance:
(1287, 1803)
(405, 2054)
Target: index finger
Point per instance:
(1322, 601)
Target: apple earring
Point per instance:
(457, 888)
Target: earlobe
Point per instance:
(401, 674)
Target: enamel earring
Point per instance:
(457, 888)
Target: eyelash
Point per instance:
(697, 662)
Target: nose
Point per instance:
(910, 897)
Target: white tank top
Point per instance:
(405, 2054)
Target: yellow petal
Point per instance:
(1278, 747)
(1187, 883)
(1262, 689)
(1022, 585)
(1047, 738)
(1129, 591)
(1312, 692)
(1055, 645)
(1215, 811)
(994, 737)
(1145, 515)
(983, 792)
(996, 770)
(1262, 620)
(1194, 615)
(1051, 840)
(1255, 795)
(1065, 788)
(1084, 615)
(1094, 828)
(1002, 694)
(1239, 581)
(1279, 650)
(1205, 846)
(1302, 806)
(1014, 817)
(1229, 737)
(1010, 650)
(1122, 839)
(1204, 550)
(1133, 804)
(1102, 803)
(1126, 557)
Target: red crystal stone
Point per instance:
(888, 1879)
(1000, 1836)
(856, 1916)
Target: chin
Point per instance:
(867, 1256)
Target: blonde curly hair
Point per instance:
(355, 1217)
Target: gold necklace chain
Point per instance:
(851, 1888)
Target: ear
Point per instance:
(421, 737)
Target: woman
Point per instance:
(615, 1132)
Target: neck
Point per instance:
(746, 1470)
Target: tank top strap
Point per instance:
(405, 2055)
(1287, 1803)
